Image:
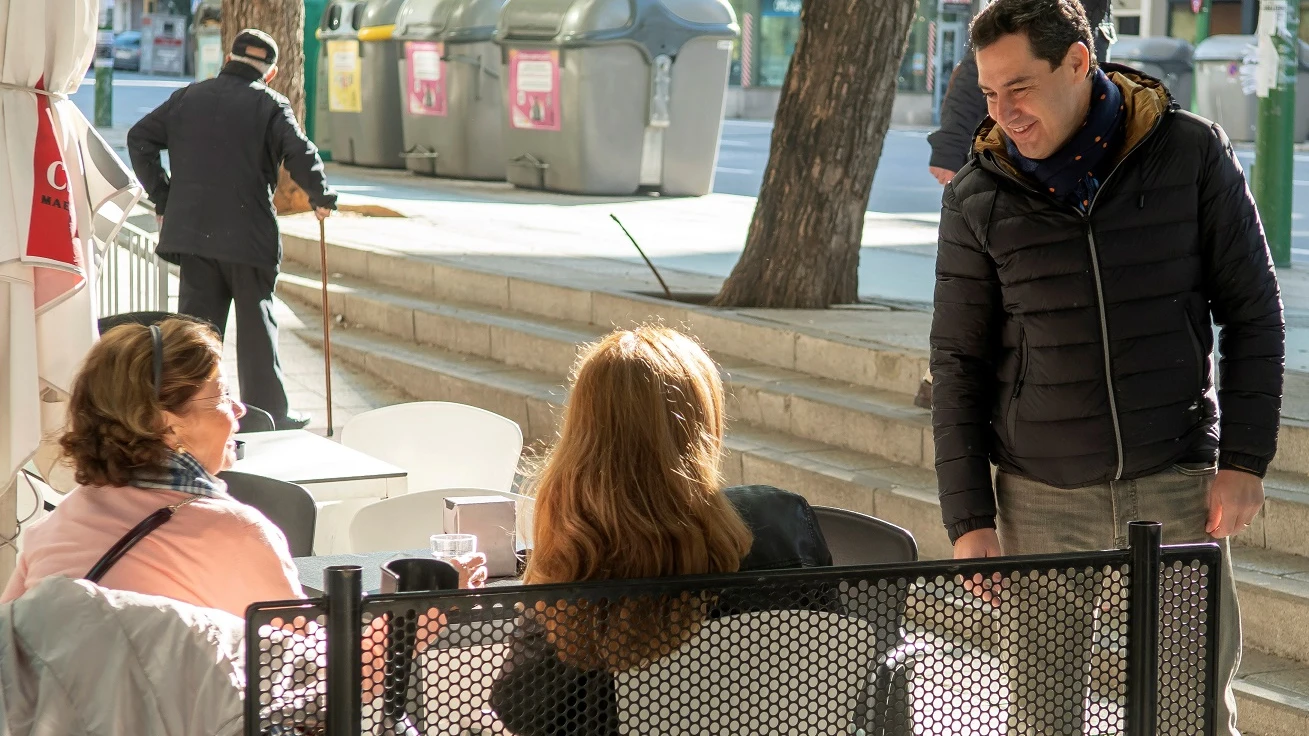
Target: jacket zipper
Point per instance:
(1018, 384)
(1198, 346)
(1099, 284)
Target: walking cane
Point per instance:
(327, 322)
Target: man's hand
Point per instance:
(943, 176)
(322, 213)
(159, 222)
(1234, 499)
(977, 544)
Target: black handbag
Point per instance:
(134, 535)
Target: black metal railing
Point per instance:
(1116, 642)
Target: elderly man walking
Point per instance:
(1092, 235)
(226, 138)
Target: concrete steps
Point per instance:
(826, 416)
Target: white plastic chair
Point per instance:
(441, 444)
(407, 522)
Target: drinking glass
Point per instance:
(450, 546)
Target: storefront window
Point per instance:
(779, 29)
(1224, 18)
(913, 67)
(740, 8)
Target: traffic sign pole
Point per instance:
(1201, 8)
(1274, 140)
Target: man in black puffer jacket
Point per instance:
(1085, 246)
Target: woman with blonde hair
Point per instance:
(633, 489)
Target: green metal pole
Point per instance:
(1201, 33)
(1274, 140)
(104, 87)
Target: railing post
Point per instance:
(344, 657)
(1144, 538)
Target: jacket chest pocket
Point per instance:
(1011, 414)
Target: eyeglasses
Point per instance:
(224, 398)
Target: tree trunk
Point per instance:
(802, 251)
(284, 20)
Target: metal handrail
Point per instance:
(132, 277)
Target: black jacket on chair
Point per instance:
(226, 138)
(1075, 349)
(539, 695)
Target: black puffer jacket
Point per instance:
(1076, 350)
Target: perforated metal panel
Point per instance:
(898, 649)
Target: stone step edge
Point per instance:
(1282, 524)
(857, 418)
(806, 467)
(816, 352)
(831, 475)
(722, 331)
(1278, 708)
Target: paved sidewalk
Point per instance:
(701, 235)
(353, 392)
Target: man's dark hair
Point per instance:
(1051, 27)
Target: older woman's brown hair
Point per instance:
(632, 489)
(115, 422)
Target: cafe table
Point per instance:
(340, 479)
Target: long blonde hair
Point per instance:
(632, 487)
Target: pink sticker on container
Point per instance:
(425, 85)
(534, 89)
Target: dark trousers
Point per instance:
(208, 289)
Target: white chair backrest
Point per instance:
(440, 444)
(407, 522)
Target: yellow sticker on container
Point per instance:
(344, 88)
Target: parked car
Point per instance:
(127, 51)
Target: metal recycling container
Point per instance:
(614, 96)
(163, 44)
(1164, 58)
(206, 30)
(359, 61)
(1225, 86)
(451, 107)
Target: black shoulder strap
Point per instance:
(130, 539)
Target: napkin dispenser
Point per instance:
(493, 519)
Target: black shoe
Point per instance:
(293, 420)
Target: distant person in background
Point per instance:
(226, 139)
(963, 106)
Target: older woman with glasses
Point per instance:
(151, 423)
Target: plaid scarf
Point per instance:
(1073, 174)
(181, 472)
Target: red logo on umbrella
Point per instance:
(52, 230)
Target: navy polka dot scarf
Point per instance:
(1074, 173)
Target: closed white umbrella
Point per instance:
(63, 194)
